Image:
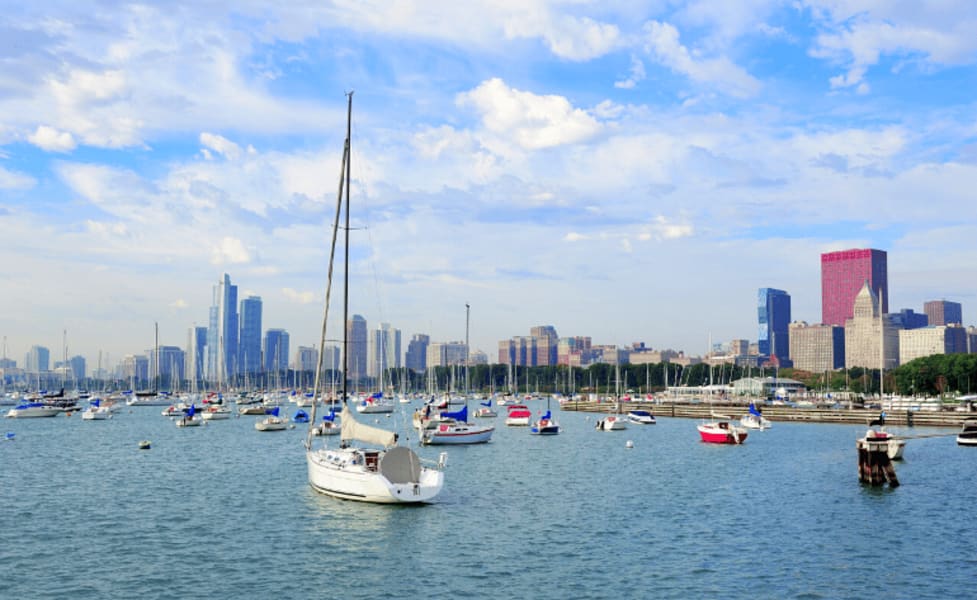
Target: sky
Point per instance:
(628, 171)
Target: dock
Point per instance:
(858, 416)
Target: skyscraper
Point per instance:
(773, 312)
(195, 353)
(276, 350)
(941, 312)
(383, 350)
(38, 360)
(869, 333)
(250, 341)
(417, 352)
(222, 334)
(842, 275)
(356, 340)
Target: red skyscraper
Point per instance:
(842, 275)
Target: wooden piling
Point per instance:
(874, 466)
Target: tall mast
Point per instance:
(349, 159)
(468, 351)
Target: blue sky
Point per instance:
(628, 171)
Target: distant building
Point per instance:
(38, 360)
(866, 330)
(249, 347)
(649, 356)
(612, 355)
(446, 354)
(357, 348)
(222, 332)
(768, 387)
(196, 353)
(842, 275)
(546, 345)
(276, 350)
(416, 359)
(574, 351)
(77, 366)
(773, 312)
(817, 348)
(972, 340)
(927, 341)
(306, 359)
(331, 357)
(908, 319)
(941, 312)
(383, 350)
(740, 347)
(172, 364)
(135, 369)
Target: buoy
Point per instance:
(629, 444)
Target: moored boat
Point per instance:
(641, 417)
(518, 416)
(30, 410)
(968, 433)
(453, 428)
(721, 431)
(611, 423)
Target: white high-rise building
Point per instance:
(869, 332)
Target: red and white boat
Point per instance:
(722, 431)
(519, 414)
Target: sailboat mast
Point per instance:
(468, 351)
(349, 159)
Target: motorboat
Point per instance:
(453, 428)
(30, 410)
(641, 417)
(721, 431)
(968, 433)
(253, 409)
(374, 404)
(175, 410)
(519, 415)
(611, 423)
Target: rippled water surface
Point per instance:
(224, 511)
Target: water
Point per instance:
(224, 511)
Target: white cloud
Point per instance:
(636, 75)
(662, 42)
(12, 180)
(221, 145)
(52, 140)
(533, 121)
(230, 251)
(298, 297)
(572, 38)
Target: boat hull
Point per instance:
(335, 473)
(450, 434)
(712, 434)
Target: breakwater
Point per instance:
(780, 413)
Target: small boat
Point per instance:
(144, 445)
(754, 419)
(453, 428)
(721, 431)
(301, 417)
(96, 412)
(216, 412)
(190, 419)
(968, 433)
(328, 425)
(374, 404)
(272, 422)
(486, 412)
(641, 417)
(253, 409)
(519, 415)
(545, 425)
(30, 410)
(611, 423)
(896, 446)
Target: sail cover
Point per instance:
(458, 415)
(354, 430)
(753, 410)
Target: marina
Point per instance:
(80, 497)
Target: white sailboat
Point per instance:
(381, 472)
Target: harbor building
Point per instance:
(773, 312)
(817, 348)
(866, 330)
(942, 312)
(842, 276)
(767, 387)
(927, 341)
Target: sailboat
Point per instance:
(380, 471)
(545, 424)
(754, 419)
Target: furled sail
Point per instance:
(354, 430)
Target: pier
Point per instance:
(857, 416)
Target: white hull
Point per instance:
(373, 409)
(271, 424)
(612, 423)
(101, 413)
(188, 422)
(456, 433)
(33, 412)
(754, 422)
(517, 421)
(219, 414)
(344, 474)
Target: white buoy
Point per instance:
(629, 444)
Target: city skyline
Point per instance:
(625, 172)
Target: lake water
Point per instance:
(224, 511)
